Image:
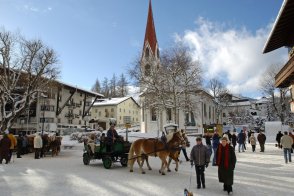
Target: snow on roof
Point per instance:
(81, 89)
(111, 101)
(243, 103)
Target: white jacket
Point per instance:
(286, 141)
(38, 143)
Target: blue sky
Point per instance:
(97, 38)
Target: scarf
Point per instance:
(226, 157)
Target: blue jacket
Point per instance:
(241, 138)
(215, 140)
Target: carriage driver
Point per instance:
(111, 136)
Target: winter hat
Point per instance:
(224, 138)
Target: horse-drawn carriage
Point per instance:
(118, 152)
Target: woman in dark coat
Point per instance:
(226, 161)
(4, 149)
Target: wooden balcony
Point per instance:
(285, 77)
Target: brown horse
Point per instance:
(142, 148)
(174, 154)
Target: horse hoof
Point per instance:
(159, 171)
(162, 173)
(150, 168)
(143, 172)
(176, 170)
(168, 170)
(131, 170)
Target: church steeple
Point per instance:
(150, 40)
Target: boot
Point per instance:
(229, 189)
(225, 187)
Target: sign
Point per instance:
(128, 125)
(127, 119)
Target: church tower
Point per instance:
(150, 53)
(149, 63)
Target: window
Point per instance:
(58, 120)
(209, 113)
(147, 53)
(204, 108)
(224, 114)
(153, 114)
(99, 114)
(147, 70)
(96, 111)
(157, 53)
(80, 122)
(46, 120)
(168, 114)
(47, 108)
(112, 109)
(70, 121)
(106, 113)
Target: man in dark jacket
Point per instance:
(4, 149)
(278, 138)
(241, 140)
(200, 157)
(234, 140)
(261, 139)
(112, 136)
(226, 161)
(19, 145)
(215, 143)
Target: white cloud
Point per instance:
(232, 55)
(31, 8)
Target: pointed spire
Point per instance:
(150, 34)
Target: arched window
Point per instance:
(147, 53)
(157, 53)
(147, 70)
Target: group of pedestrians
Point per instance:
(9, 144)
(224, 158)
(286, 142)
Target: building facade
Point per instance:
(122, 109)
(282, 35)
(61, 107)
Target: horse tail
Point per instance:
(131, 153)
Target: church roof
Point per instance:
(150, 34)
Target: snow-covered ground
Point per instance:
(256, 174)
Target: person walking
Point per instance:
(292, 135)
(12, 144)
(19, 145)
(286, 142)
(208, 143)
(252, 140)
(5, 144)
(234, 140)
(241, 140)
(226, 161)
(215, 143)
(183, 148)
(38, 144)
(200, 157)
(278, 139)
(261, 139)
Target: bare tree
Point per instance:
(279, 97)
(220, 94)
(168, 83)
(27, 67)
(122, 86)
(96, 87)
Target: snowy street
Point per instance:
(256, 174)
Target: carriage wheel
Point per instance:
(107, 162)
(86, 159)
(124, 161)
